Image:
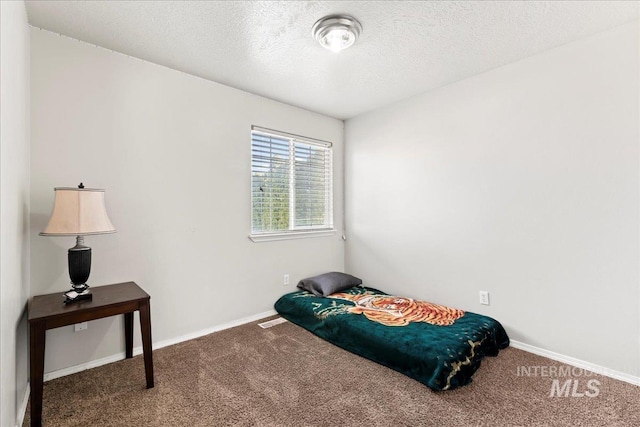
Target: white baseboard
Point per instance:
(622, 376)
(23, 406)
(211, 330)
(138, 350)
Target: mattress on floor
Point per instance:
(439, 346)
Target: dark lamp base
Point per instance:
(79, 265)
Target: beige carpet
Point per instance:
(285, 376)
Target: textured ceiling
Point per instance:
(266, 47)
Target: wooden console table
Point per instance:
(48, 312)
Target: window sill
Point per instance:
(270, 237)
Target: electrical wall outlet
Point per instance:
(80, 326)
(285, 279)
(484, 297)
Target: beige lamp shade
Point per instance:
(78, 212)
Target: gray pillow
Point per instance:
(328, 283)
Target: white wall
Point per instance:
(523, 182)
(14, 208)
(173, 153)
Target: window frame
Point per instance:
(301, 232)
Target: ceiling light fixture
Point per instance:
(336, 32)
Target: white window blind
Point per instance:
(291, 183)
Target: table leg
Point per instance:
(145, 328)
(128, 334)
(37, 334)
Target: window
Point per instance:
(291, 184)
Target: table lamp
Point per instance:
(79, 212)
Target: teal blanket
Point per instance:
(439, 346)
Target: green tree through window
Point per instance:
(291, 183)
